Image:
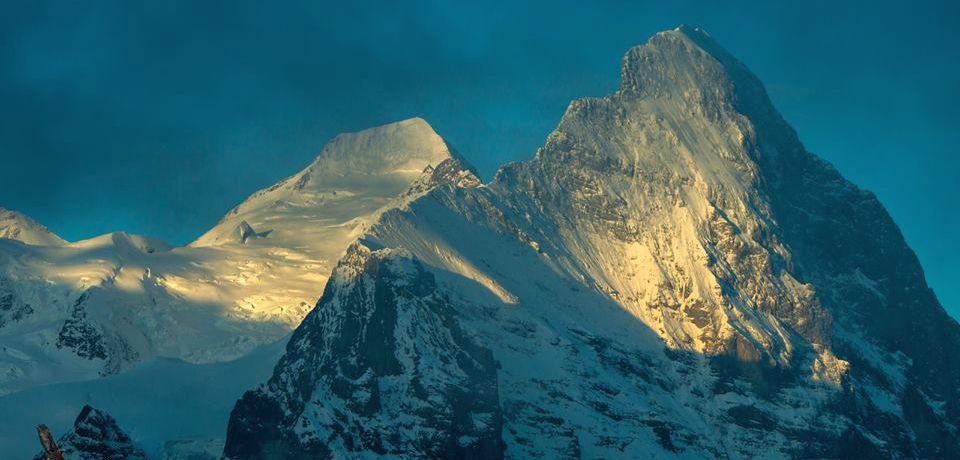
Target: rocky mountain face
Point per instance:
(100, 306)
(672, 276)
(396, 373)
(96, 436)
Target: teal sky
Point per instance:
(157, 118)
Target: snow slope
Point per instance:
(100, 306)
(329, 201)
(672, 276)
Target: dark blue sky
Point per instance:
(157, 117)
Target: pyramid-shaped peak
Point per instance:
(688, 32)
(694, 39)
(687, 64)
(703, 42)
(677, 59)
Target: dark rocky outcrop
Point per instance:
(96, 436)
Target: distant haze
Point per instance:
(158, 118)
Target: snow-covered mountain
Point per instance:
(329, 201)
(672, 276)
(16, 226)
(70, 311)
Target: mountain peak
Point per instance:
(688, 65)
(402, 146)
(17, 226)
(685, 31)
(676, 60)
(353, 176)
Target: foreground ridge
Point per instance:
(96, 436)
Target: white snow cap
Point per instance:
(401, 146)
(17, 226)
(371, 166)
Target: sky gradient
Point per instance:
(157, 119)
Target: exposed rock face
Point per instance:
(96, 436)
(672, 275)
(245, 232)
(78, 334)
(12, 309)
(452, 171)
(380, 366)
